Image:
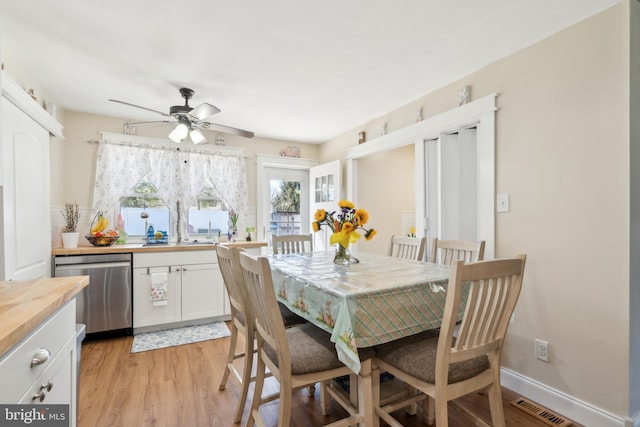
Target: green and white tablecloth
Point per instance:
(377, 300)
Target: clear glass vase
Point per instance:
(342, 256)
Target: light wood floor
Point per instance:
(178, 387)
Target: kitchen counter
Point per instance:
(25, 304)
(141, 248)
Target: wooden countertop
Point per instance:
(140, 248)
(25, 304)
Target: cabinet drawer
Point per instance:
(156, 259)
(58, 376)
(52, 335)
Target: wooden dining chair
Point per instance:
(229, 263)
(404, 247)
(297, 357)
(241, 324)
(444, 252)
(447, 365)
(291, 243)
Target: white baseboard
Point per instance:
(565, 405)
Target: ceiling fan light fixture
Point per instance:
(197, 136)
(179, 133)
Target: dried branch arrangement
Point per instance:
(71, 214)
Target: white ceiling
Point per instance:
(288, 69)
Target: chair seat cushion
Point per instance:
(289, 317)
(311, 350)
(416, 356)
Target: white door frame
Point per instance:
(480, 113)
(264, 161)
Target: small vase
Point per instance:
(70, 240)
(234, 235)
(343, 256)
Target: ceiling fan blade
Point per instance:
(138, 106)
(151, 122)
(226, 129)
(203, 111)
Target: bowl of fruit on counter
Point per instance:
(100, 234)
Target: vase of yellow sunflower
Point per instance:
(344, 223)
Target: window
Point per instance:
(189, 186)
(143, 207)
(286, 201)
(208, 215)
(285, 207)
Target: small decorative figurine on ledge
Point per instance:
(291, 151)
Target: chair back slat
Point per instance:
(493, 290)
(292, 243)
(444, 252)
(411, 248)
(261, 298)
(228, 262)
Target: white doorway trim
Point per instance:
(480, 113)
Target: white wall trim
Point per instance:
(431, 127)
(31, 107)
(562, 403)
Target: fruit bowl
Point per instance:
(105, 240)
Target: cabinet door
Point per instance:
(202, 291)
(145, 312)
(26, 198)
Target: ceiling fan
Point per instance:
(189, 120)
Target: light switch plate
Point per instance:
(502, 203)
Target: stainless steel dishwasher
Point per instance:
(105, 306)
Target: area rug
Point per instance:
(178, 336)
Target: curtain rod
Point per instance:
(166, 145)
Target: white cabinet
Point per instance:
(53, 379)
(26, 206)
(145, 313)
(195, 289)
(202, 291)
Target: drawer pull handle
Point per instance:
(44, 388)
(40, 357)
(40, 395)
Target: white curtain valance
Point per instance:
(179, 173)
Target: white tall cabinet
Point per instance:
(25, 186)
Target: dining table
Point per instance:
(373, 301)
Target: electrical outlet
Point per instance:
(541, 350)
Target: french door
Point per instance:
(325, 193)
(286, 202)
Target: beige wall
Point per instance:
(562, 154)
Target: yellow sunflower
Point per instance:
(346, 204)
(320, 215)
(362, 216)
(347, 227)
(370, 234)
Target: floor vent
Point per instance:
(544, 415)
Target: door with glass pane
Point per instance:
(325, 194)
(286, 202)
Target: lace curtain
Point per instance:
(178, 175)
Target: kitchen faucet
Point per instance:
(178, 228)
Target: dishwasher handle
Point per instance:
(83, 266)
